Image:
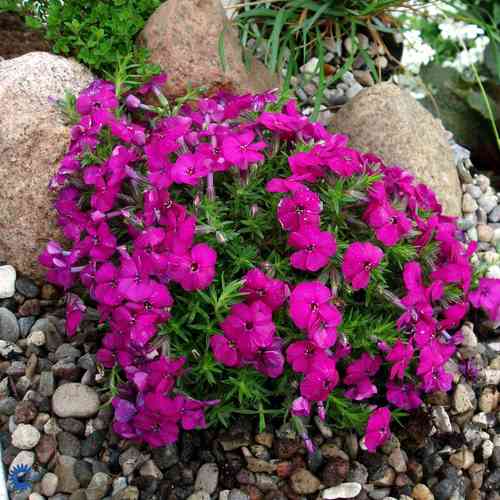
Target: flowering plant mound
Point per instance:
(245, 260)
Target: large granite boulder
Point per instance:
(33, 138)
(184, 38)
(388, 121)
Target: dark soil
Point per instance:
(17, 39)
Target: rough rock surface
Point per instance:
(388, 121)
(34, 138)
(183, 39)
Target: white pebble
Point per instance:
(7, 282)
(25, 437)
(36, 338)
(344, 490)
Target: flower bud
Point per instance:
(132, 102)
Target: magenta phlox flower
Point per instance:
(98, 95)
(345, 162)
(377, 429)
(416, 291)
(124, 410)
(460, 274)
(487, 297)
(156, 422)
(190, 168)
(359, 261)
(304, 355)
(141, 325)
(301, 407)
(156, 82)
(400, 357)
(251, 326)
(60, 264)
(300, 210)
(323, 328)
(433, 357)
(75, 310)
(284, 124)
(358, 373)
(306, 301)
(195, 269)
(277, 185)
(101, 240)
(270, 360)
(403, 396)
(453, 315)
(320, 382)
(112, 343)
(259, 286)
(240, 150)
(315, 248)
(134, 281)
(306, 165)
(225, 350)
(192, 412)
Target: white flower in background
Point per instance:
(416, 52)
(469, 56)
(458, 31)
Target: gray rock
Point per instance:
(49, 484)
(67, 352)
(46, 384)
(304, 483)
(25, 324)
(166, 457)
(7, 406)
(75, 400)
(129, 493)
(421, 145)
(7, 282)
(83, 472)
(467, 222)
(207, 478)
(98, 487)
(92, 444)
(131, 459)
(344, 490)
(494, 215)
(487, 202)
(9, 328)
(464, 398)
(68, 482)
(27, 287)
(68, 444)
(53, 338)
(199, 495)
(449, 488)
(474, 191)
(236, 494)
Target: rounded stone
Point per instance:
(485, 232)
(33, 140)
(344, 490)
(49, 484)
(27, 287)
(9, 328)
(25, 437)
(7, 282)
(469, 204)
(422, 492)
(420, 145)
(207, 478)
(304, 483)
(36, 338)
(75, 400)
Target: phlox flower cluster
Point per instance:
(133, 245)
